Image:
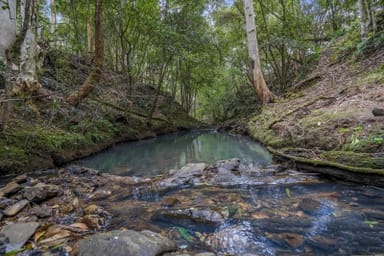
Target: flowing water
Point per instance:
(253, 210)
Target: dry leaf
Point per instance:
(53, 230)
(79, 225)
(39, 235)
(260, 215)
(59, 236)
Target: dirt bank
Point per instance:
(328, 119)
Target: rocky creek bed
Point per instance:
(218, 209)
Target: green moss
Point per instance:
(345, 161)
(372, 142)
(375, 76)
(375, 161)
(12, 157)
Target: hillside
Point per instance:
(45, 131)
(328, 118)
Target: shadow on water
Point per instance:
(155, 156)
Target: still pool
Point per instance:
(155, 156)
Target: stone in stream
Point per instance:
(5, 202)
(21, 179)
(313, 207)
(122, 243)
(10, 189)
(18, 234)
(3, 242)
(40, 192)
(42, 211)
(240, 238)
(205, 217)
(183, 176)
(323, 243)
(291, 239)
(15, 208)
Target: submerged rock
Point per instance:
(3, 243)
(205, 217)
(310, 206)
(238, 239)
(18, 234)
(15, 208)
(122, 243)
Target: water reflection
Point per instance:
(154, 156)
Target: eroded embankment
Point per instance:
(329, 121)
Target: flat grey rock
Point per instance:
(18, 234)
(125, 243)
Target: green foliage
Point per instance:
(185, 234)
(371, 143)
(373, 43)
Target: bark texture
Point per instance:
(258, 81)
(7, 26)
(95, 74)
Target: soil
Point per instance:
(330, 118)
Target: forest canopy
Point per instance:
(197, 50)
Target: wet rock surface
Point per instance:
(122, 243)
(200, 209)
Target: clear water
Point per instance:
(155, 156)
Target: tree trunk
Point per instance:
(27, 78)
(371, 16)
(363, 19)
(53, 20)
(90, 43)
(94, 76)
(7, 26)
(258, 81)
(21, 51)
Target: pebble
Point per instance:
(5, 202)
(42, 211)
(40, 192)
(15, 208)
(10, 189)
(21, 179)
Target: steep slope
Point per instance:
(46, 131)
(329, 119)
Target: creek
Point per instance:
(253, 208)
(157, 155)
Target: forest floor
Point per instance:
(328, 118)
(45, 131)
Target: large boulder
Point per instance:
(125, 243)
